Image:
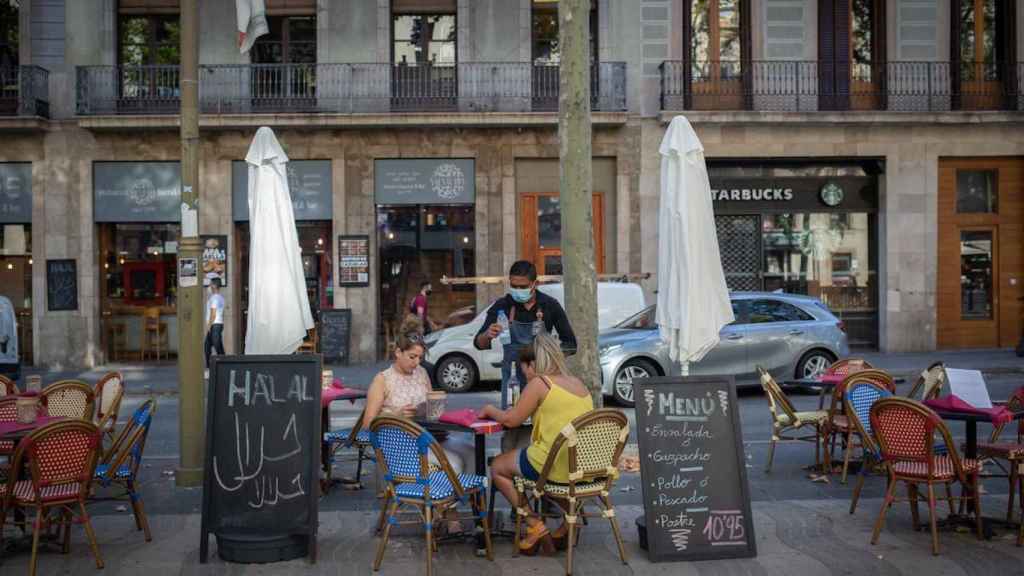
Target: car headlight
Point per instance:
(607, 351)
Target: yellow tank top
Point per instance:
(559, 408)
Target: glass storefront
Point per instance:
(803, 227)
(16, 281)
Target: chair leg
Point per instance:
(1020, 488)
(771, 451)
(1013, 489)
(429, 532)
(890, 491)
(386, 512)
(383, 512)
(522, 504)
(914, 514)
(570, 519)
(860, 483)
(976, 498)
(486, 525)
(140, 515)
(490, 503)
(846, 455)
(37, 527)
(610, 514)
(359, 465)
(933, 520)
(949, 498)
(90, 535)
(66, 514)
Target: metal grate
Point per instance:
(739, 241)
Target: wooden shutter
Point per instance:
(1006, 50)
(841, 51)
(826, 54)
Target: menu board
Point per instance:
(61, 285)
(696, 499)
(353, 261)
(335, 334)
(260, 491)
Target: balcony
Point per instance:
(804, 86)
(342, 89)
(24, 92)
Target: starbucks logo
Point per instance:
(448, 181)
(142, 192)
(832, 194)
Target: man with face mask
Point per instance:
(528, 312)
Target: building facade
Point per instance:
(861, 151)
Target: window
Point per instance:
(764, 311)
(291, 40)
(424, 39)
(546, 48)
(715, 37)
(149, 40)
(9, 33)
(977, 191)
(976, 275)
(979, 40)
(140, 258)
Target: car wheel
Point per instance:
(622, 390)
(456, 374)
(813, 364)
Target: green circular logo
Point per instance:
(832, 194)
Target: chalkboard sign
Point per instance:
(61, 285)
(260, 489)
(335, 333)
(696, 499)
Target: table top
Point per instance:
(331, 394)
(970, 416)
(17, 430)
(481, 427)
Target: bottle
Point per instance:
(505, 337)
(513, 387)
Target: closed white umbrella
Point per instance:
(693, 300)
(251, 20)
(279, 314)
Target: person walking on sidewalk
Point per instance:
(214, 321)
(418, 306)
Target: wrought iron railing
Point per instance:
(343, 88)
(808, 86)
(24, 91)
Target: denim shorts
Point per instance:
(527, 469)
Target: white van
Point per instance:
(458, 365)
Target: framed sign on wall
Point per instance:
(353, 261)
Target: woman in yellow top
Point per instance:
(553, 398)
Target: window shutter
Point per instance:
(826, 54)
(784, 70)
(841, 68)
(784, 30)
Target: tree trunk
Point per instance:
(574, 132)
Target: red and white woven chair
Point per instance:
(8, 413)
(1012, 453)
(69, 399)
(108, 394)
(906, 430)
(7, 386)
(59, 461)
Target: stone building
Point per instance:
(866, 152)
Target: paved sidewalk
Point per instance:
(162, 378)
(816, 537)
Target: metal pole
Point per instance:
(574, 142)
(190, 287)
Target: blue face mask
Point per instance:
(521, 295)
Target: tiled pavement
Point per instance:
(793, 537)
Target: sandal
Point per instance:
(538, 537)
(560, 537)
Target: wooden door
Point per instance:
(980, 255)
(540, 236)
(980, 73)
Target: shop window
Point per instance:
(139, 263)
(16, 264)
(976, 275)
(9, 20)
(764, 311)
(977, 191)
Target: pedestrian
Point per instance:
(214, 321)
(418, 306)
(526, 312)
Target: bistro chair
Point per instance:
(8, 413)
(7, 386)
(120, 466)
(69, 399)
(593, 444)
(403, 451)
(906, 431)
(154, 333)
(785, 419)
(929, 384)
(59, 461)
(847, 366)
(838, 425)
(357, 437)
(1013, 454)
(859, 397)
(109, 391)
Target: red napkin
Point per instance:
(465, 417)
(952, 403)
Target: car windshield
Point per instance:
(646, 319)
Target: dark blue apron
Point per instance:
(522, 334)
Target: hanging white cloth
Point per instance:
(279, 313)
(693, 300)
(251, 16)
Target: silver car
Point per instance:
(790, 335)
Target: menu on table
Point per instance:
(696, 498)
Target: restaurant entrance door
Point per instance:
(541, 237)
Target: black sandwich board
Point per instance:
(260, 491)
(335, 334)
(696, 498)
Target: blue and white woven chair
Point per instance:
(120, 465)
(858, 398)
(357, 437)
(403, 450)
